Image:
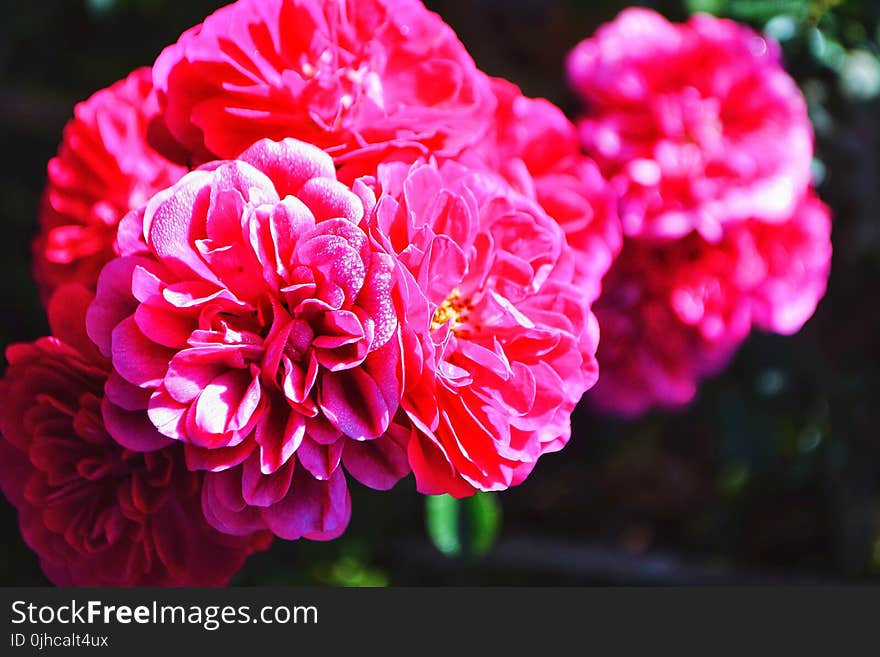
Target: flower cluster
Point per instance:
(315, 245)
(707, 143)
(312, 245)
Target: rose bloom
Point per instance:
(674, 312)
(103, 169)
(340, 74)
(97, 513)
(256, 322)
(696, 124)
(537, 149)
(504, 338)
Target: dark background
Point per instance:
(772, 476)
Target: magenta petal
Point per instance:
(289, 163)
(379, 463)
(341, 266)
(173, 534)
(164, 326)
(217, 459)
(297, 385)
(132, 430)
(361, 402)
(343, 341)
(188, 376)
(264, 490)
(442, 269)
(168, 222)
(331, 534)
(339, 328)
(279, 434)
(130, 233)
(329, 199)
(225, 508)
(137, 359)
(376, 300)
(113, 301)
(336, 525)
(249, 405)
(146, 286)
(191, 294)
(321, 431)
(320, 460)
(219, 403)
(167, 414)
(311, 507)
(353, 403)
(125, 395)
(236, 180)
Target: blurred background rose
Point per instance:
(772, 475)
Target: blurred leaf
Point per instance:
(826, 49)
(467, 526)
(441, 517)
(706, 6)
(860, 75)
(485, 518)
(349, 571)
(756, 10)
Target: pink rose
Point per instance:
(674, 312)
(257, 323)
(791, 263)
(98, 514)
(103, 169)
(340, 74)
(505, 340)
(696, 124)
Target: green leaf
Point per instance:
(469, 526)
(485, 518)
(706, 6)
(826, 49)
(441, 518)
(762, 11)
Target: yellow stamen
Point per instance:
(450, 310)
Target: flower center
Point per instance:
(341, 82)
(452, 310)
